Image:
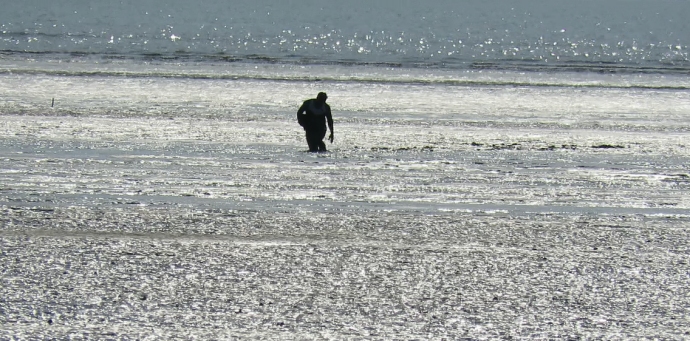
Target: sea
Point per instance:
(500, 170)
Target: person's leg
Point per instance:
(322, 146)
(312, 142)
(321, 135)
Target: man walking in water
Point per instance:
(312, 116)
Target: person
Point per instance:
(313, 116)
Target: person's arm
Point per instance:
(329, 118)
(300, 115)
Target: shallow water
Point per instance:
(612, 35)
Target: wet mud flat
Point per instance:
(220, 226)
(92, 273)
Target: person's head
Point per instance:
(321, 97)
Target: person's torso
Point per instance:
(317, 110)
(316, 114)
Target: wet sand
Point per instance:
(135, 228)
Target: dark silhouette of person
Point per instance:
(313, 116)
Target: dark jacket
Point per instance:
(312, 116)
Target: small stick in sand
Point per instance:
(52, 103)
